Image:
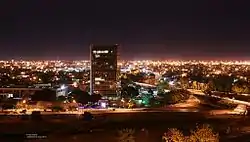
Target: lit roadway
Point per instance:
(199, 92)
(110, 110)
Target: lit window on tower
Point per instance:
(100, 51)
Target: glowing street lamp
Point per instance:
(75, 84)
(103, 105)
(62, 87)
(122, 100)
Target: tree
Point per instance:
(21, 105)
(45, 77)
(95, 97)
(26, 95)
(44, 95)
(210, 86)
(174, 135)
(246, 89)
(223, 83)
(203, 133)
(126, 135)
(240, 88)
(137, 77)
(80, 96)
(129, 92)
(162, 85)
(184, 82)
(202, 86)
(176, 96)
(237, 89)
(150, 91)
(43, 105)
(153, 102)
(146, 98)
(61, 98)
(195, 85)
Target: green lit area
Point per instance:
(143, 100)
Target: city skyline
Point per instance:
(163, 30)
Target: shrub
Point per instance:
(40, 105)
(176, 96)
(21, 105)
(174, 135)
(57, 108)
(126, 135)
(202, 133)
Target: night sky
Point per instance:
(174, 29)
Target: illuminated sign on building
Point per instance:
(100, 51)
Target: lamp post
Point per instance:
(122, 102)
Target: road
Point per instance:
(208, 112)
(102, 111)
(199, 92)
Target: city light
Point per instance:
(63, 87)
(103, 105)
(181, 71)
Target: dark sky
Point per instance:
(167, 29)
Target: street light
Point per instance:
(63, 87)
(123, 101)
(103, 105)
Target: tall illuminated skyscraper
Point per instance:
(103, 73)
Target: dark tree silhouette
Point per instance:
(44, 95)
(223, 83)
(150, 91)
(80, 96)
(176, 96)
(61, 98)
(95, 97)
(129, 91)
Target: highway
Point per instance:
(103, 111)
(177, 108)
(199, 92)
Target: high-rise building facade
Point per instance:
(103, 73)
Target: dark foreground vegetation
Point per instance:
(146, 127)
